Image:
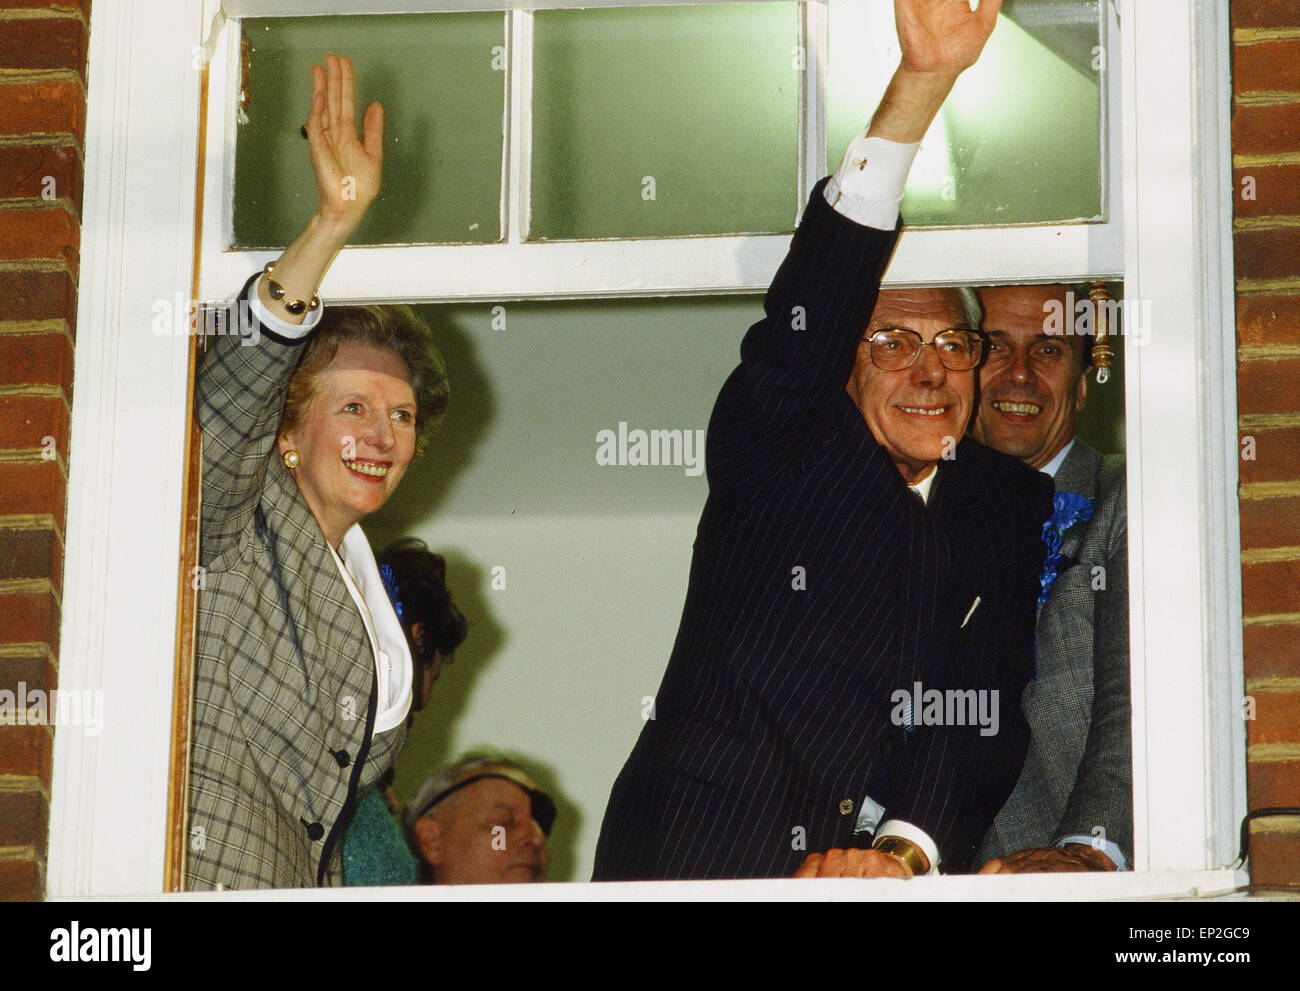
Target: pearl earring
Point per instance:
(291, 459)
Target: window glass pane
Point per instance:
(1018, 140)
(665, 121)
(442, 81)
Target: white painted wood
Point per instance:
(519, 128)
(677, 266)
(968, 888)
(1189, 761)
(130, 419)
(517, 269)
(315, 8)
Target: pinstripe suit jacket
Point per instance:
(818, 588)
(1078, 774)
(284, 672)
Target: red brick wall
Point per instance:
(42, 124)
(1266, 163)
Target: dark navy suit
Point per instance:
(819, 586)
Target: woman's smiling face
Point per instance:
(356, 437)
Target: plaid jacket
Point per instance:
(284, 673)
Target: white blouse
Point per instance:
(393, 666)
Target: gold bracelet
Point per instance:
(294, 306)
(907, 851)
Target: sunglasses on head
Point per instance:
(541, 804)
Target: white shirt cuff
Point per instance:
(913, 834)
(282, 328)
(1110, 849)
(868, 186)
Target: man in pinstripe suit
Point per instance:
(850, 548)
(1072, 808)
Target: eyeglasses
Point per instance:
(541, 804)
(895, 349)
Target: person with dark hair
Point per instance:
(303, 676)
(375, 851)
(416, 579)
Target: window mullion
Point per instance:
(812, 102)
(519, 127)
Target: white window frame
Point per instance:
(521, 269)
(131, 414)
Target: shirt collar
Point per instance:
(1053, 466)
(922, 488)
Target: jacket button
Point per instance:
(314, 830)
(342, 757)
(846, 806)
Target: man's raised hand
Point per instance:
(943, 36)
(939, 39)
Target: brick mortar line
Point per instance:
(1267, 352)
(1260, 287)
(1276, 824)
(1273, 158)
(32, 586)
(1273, 753)
(42, 76)
(37, 203)
(1273, 619)
(26, 649)
(20, 783)
(20, 456)
(26, 77)
(24, 586)
(1261, 98)
(1250, 36)
(27, 521)
(55, 325)
(50, 14)
(40, 139)
(35, 265)
(1293, 291)
(1265, 555)
(1268, 490)
(1268, 421)
(61, 137)
(32, 389)
(1273, 684)
(1265, 223)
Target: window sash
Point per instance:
(520, 269)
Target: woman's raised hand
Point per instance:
(347, 182)
(348, 169)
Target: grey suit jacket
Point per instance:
(1078, 775)
(284, 672)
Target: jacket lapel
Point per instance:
(1078, 473)
(332, 678)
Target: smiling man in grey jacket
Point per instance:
(1072, 807)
